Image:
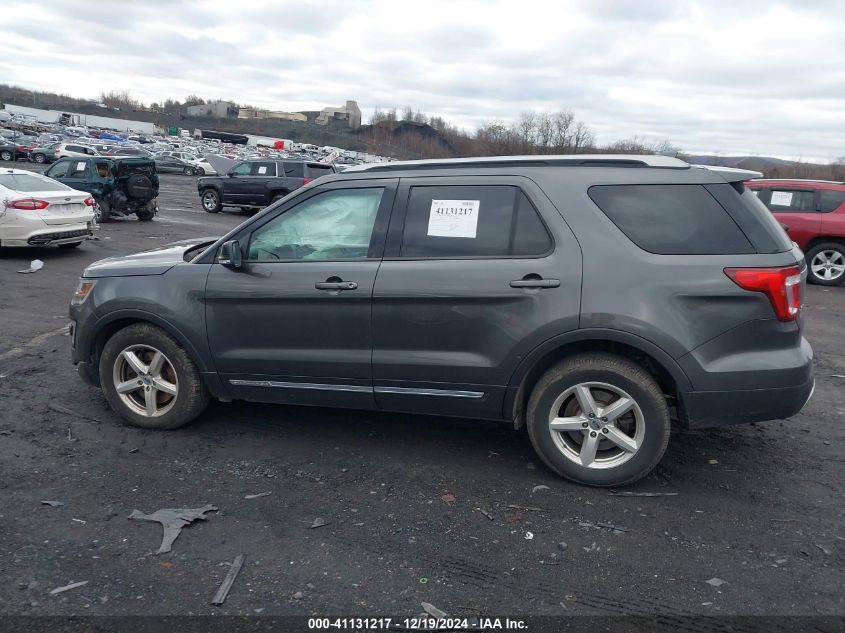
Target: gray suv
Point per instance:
(595, 300)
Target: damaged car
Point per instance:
(121, 186)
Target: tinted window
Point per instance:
(470, 221)
(830, 199)
(792, 200)
(263, 169)
(671, 219)
(294, 170)
(75, 148)
(329, 226)
(753, 218)
(315, 171)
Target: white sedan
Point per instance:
(38, 211)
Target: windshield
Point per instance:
(27, 183)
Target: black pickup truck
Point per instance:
(254, 184)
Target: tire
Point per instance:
(6, 155)
(139, 186)
(102, 212)
(177, 373)
(39, 158)
(826, 264)
(200, 171)
(146, 215)
(277, 197)
(70, 246)
(210, 200)
(644, 429)
(189, 171)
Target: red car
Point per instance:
(813, 213)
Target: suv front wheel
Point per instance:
(150, 380)
(826, 264)
(211, 201)
(598, 419)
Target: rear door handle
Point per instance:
(336, 285)
(535, 283)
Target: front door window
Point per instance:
(333, 225)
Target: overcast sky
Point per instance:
(738, 76)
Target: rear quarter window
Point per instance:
(315, 171)
(671, 219)
(830, 200)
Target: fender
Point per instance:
(590, 334)
(202, 359)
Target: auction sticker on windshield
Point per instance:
(453, 218)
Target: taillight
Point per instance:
(89, 202)
(305, 181)
(783, 287)
(27, 204)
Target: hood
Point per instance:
(154, 262)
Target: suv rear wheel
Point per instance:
(6, 155)
(598, 419)
(211, 201)
(149, 380)
(826, 264)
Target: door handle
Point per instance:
(336, 285)
(531, 281)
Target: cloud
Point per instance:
(755, 76)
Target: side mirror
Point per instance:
(230, 255)
(230, 174)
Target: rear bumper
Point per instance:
(704, 409)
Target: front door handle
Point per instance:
(532, 281)
(336, 285)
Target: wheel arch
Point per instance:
(277, 192)
(668, 374)
(109, 325)
(823, 240)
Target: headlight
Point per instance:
(83, 290)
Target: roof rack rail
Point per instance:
(827, 182)
(571, 160)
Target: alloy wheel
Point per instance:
(209, 201)
(597, 425)
(828, 265)
(145, 380)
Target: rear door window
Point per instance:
(671, 219)
(830, 200)
(78, 169)
(792, 200)
(472, 221)
(265, 169)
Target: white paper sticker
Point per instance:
(453, 218)
(80, 166)
(262, 170)
(781, 198)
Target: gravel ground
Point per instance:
(457, 513)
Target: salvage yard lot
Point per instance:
(454, 512)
